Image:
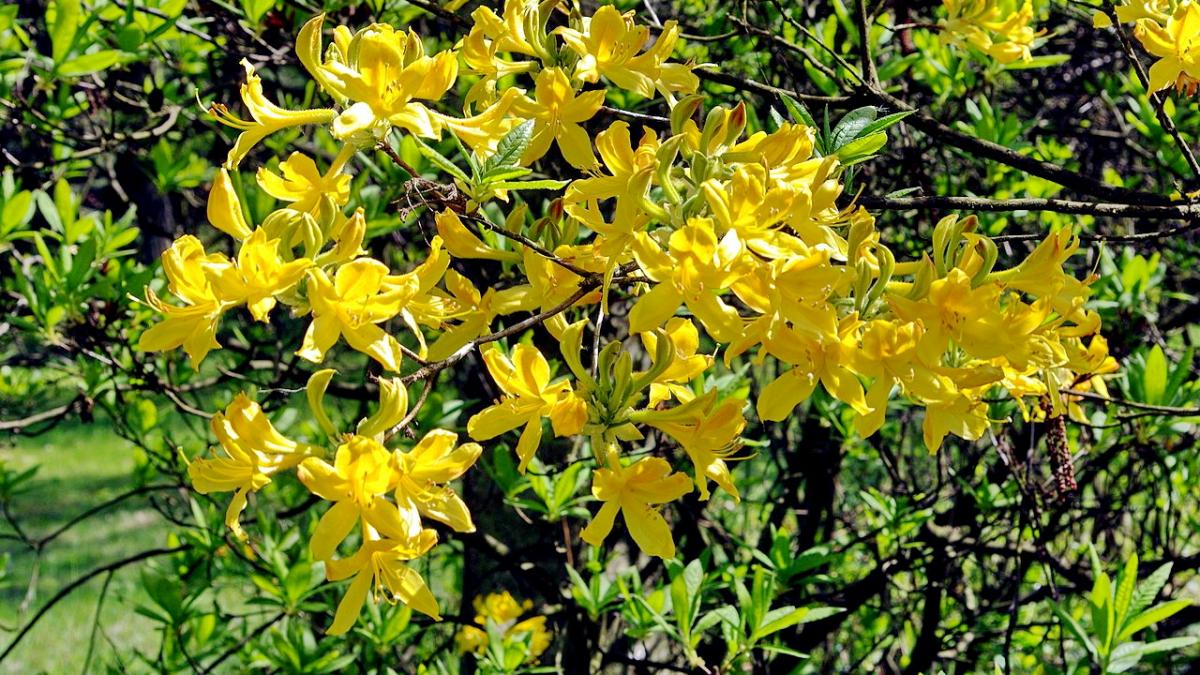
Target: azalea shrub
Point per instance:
(574, 337)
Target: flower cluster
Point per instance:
(1170, 31)
(721, 244)
(999, 28)
(497, 615)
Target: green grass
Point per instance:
(79, 467)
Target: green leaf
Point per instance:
(786, 617)
(851, 126)
(17, 211)
(66, 24)
(1125, 585)
(1125, 657)
(798, 112)
(440, 160)
(546, 184)
(1040, 61)
(1154, 376)
(1149, 589)
(1102, 611)
(1074, 628)
(885, 122)
(90, 63)
(511, 147)
(861, 149)
(504, 173)
(1152, 616)
(1169, 644)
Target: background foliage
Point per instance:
(845, 554)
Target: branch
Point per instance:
(69, 588)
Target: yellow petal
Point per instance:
(351, 605)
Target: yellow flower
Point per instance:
(1132, 10)
(685, 367)
(362, 473)
(476, 312)
(994, 27)
(260, 274)
(350, 306)
(194, 325)
(525, 379)
(631, 170)
(381, 561)
(696, 270)
(557, 113)
(254, 451)
(462, 243)
(225, 208)
(634, 491)
(958, 414)
(709, 433)
(609, 44)
(422, 474)
(381, 73)
(1177, 44)
(267, 117)
(502, 610)
(302, 184)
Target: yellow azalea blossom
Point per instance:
(554, 284)
(1176, 43)
(260, 274)
(631, 170)
(695, 270)
(476, 312)
(421, 477)
(634, 491)
(958, 414)
(708, 432)
(502, 610)
(609, 44)
(194, 325)
(557, 113)
(302, 184)
(529, 396)
(356, 483)
(686, 366)
(1130, 11)
(225, 208)
(379, 563)
(381, 73)
(350, 306)
(489, 36)
(267, 117)
(461, 242)
(254, 451)
(995, 27)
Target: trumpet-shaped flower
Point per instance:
(696, 271)
(529, 396)
(382, 73)
(422, 474)
(684, 368)
(301, 183)
(379, 563)
(557, 113)
(351, 305)
(267, 118)
(502, 610)
(634, 491)
(356, 483)
(254, 451)
(194, 325)
(610, 45)
(1176, 43)
(260, 274)
(709, 433)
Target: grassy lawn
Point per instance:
(80, 467)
